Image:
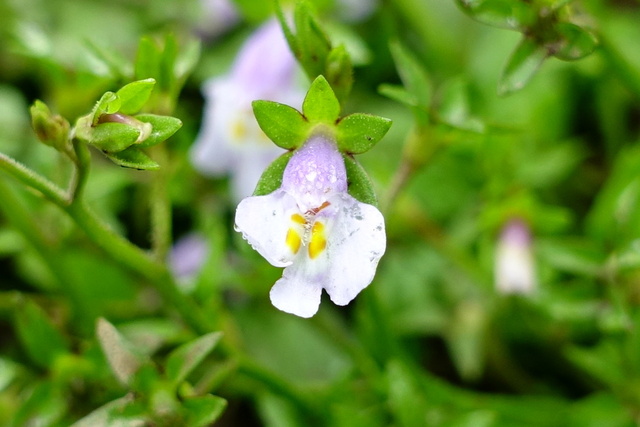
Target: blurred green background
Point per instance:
(431, 342)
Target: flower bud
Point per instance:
(51, 129)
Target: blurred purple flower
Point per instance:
(230, 141)
(514, 264)
(187, 256)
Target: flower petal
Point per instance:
(264, 222)
(356, 242)
(295, 293)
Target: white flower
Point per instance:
(514, 265)
(324, 237)
(230, 140)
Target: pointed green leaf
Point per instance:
(284, 125)
(525, 60)
(45, 405)
(123, 359)
(271, 178)
(204, 410)
(166, 77)
(163, 127)
(113, 137)
(147, 59)
(359, 132)
(134, 95)
(576, 42)
(42, 342)
(339, 72)
(453, 109)
(109, 103)
(313, 44)
(133, 158)
(465, 339)
(188, 356)
(321, 104)
(398, 94)
(412, 73)
(112, 414)
(360, 186)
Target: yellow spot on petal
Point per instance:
(318, 241)
(238, 130)
(298, 218)
(293, 240)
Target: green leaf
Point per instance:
(109, 103)
(123, 359)
(413, 75)
(358, 132)
(454, 106)
(112, 414)
(42, 342)
(204, 410)
(134, 95)
(312, 43)
(113, 137)
(271, 178)
(465, 339)
(360, 186)
(147, 59)
(576, 42)
(163, 127)
(321, 104)
(398, 94)
(509, 14)
(523, 64)
(45, 406)
(166, 76)
(133, 158)
(339, 72)
(284, 125)
(188, 356)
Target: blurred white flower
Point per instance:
(324, 237)
(230, 141)
(218, 16)
(514, 264)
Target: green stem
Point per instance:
(31, 179)
(116, 246)
(160, 206)
(82, 160)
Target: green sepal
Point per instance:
(359, 183)
(313, 44)
(134, 95)
(284, 125)
(525, 60)
(133, 158)
(412, 73)
(163, 127)
(109, 103)
(203, 411)
(183, 360)
(576, 42)
(271, 178)
(40, 339)
(357, 133)
(321, 105)
(113, 137)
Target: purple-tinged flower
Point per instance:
(187, 257)
(230, 140)
(514, 264)
(324, 237)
